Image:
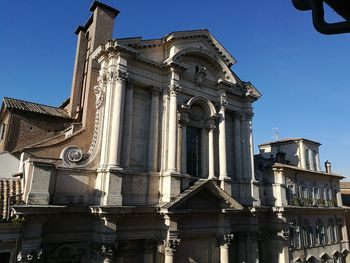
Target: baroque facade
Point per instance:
(152, 161)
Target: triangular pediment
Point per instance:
(204, 195)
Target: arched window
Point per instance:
(321, 237)
(198, 137)
(330, 232)
(315, 195)
(295, 236)
(307, 158)
(194, 150)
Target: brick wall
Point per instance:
(28, 128)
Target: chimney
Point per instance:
(328, 166)
(96, 31)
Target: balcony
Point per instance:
(309, 202)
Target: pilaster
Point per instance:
(224, 242)
(171, 183)
(109, 180)
(225, 181)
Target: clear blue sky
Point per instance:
(303, 75)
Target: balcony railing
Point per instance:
(310, 202)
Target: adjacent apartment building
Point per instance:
(151, 160)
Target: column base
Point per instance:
(225, 184)
(185, 181)
(111, 186)
(153, 189)
(171, 186)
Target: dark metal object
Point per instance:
(341, 7)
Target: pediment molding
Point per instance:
(211, 193)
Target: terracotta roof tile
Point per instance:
(8, 187)
(22, 105)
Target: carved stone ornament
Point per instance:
(104, 249)
(225, 239)
(102, 78)
(172, 243)
(223, 101)
(184, 115)
(174, 88)
(71, 155)
(211, 122)
(99, 96)
(200, 76)
(122, 74)
(115, 74)
(248, 115)
(107, 249)
(29, 256)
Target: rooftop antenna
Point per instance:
(276, 134)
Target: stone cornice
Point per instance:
(112, 46)
(281, 166)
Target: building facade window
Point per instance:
(2, 131)
(193, 147)
(307, 158)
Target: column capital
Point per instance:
(248, 115)
(171, 244)
(102, 77)
(223, 102)
(29, 255)
(212, 121)
(117, 73)
(155, 91)
(225, 239)
(105, 249)
(174, 88)
(237, 114)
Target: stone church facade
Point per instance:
(156, 163)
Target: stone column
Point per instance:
(253, 248)
(248, 154)
(148, 246)
(237, 145)
(128, 115)
(183, 121)
(173, 91)
(302, 154)
(237, 156)
(170, 246)
(153, 132)
(117, 74)
(211, 125)
(224, 242)
(114, 73)
(104, 251)
(171, 177)
(225, 182)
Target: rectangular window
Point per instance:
(193, 151)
